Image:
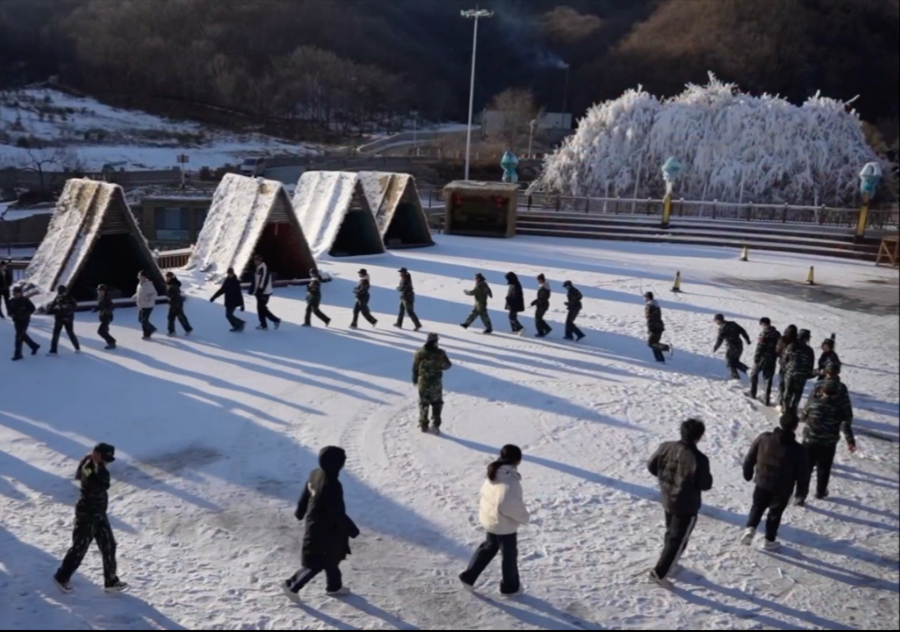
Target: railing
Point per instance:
(173, 259)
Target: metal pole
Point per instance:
(476, 14)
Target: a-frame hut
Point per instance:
(249, 216)
(336, 216)
(93, 238)
(395, 201)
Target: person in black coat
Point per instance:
(542, 306)
(361, 292)
(105, 309)
(573, 308)
(684, 474)
(176, 305)
(63, 309)
(6, 283)
(515, 301)
(780, 464)
(20, 310)
(326, 540)
(234, 300)
(733, 335)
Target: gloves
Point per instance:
(212, 300)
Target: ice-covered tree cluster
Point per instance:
(734, 147)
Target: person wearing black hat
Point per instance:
(361, 292)
(515, 302)
(765, 360)
(829, 357)
(6, 283)
(63, 309)
(234, 300)
(176, 305)
(732, 334)
(481, 293)
(105, 309)
(655, 328)
(573, 308)
(429, 365)
(20, 310)
(261, 288)
(800, 362)
(314, 299)
(542, 305)
(407, 300)
(91, 521)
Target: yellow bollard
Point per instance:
(677, 286)
(745, 254)
(811, 277)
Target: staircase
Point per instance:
(807, 239)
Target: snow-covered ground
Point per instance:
(216, 434)
(96, 134)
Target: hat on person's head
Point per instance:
(720, 318)
(403, 271)
(229, 271)
(61, 289)
(432, 338)
(364, 272)
(106, 452)
(17, 289)
(805, 335)
(828, 342)
(102, 288)
(479, 276)
(567, 284)
(765, 320)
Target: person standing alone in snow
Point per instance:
(800, 362)
(314, 299)
(328, 528)
(573, 308)
(6, 283)
(105, 309)
(176, 305)
(655, 327)
(542, 305)
(515, 302)
(481, 292)
(20, 310)
(765, 360)
(361, 292)
(429, 365)
(780, 467)
(732, 334)
(63, 310)
(261, 288)
(91, 521)
(146, 301)
(684, 474)
(407, 300)
(502, 512)
(234, 300)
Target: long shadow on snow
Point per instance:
(862, 522)
(852, 504)
(832, 571)
(859, 476)
(366, 607)
(26, 561)
(787, 533)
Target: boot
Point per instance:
(436, 410)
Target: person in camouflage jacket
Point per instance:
(20, 310)
(361, 292)
(481, 292)
(63, 309)
(429, 365)
(407, 301)
(829, 357)
(800, 362)
(787, 339)
(732, 334)
(314, 299)
(655, 328)
(765, 360)
(91, 521)
(105, 309)
(828, 415)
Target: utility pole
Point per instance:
(475, 14)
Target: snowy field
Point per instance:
(140, 140)
(217, 433)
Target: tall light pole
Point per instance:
(476, 14)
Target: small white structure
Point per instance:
(394, 199)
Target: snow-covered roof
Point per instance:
(482, 187)
(385, 191)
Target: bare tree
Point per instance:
(41, 160)
(515, 109)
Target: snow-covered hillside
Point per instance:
(96, 134)
(216, 434)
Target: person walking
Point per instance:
(732, 334)
(261, 288)
(828, 415)
(92, 522)
(6, 284)
(574, 298)
(407, 301)
(314, 299)
(515, 302)
(20, 309)
(481, 293)
(63, 309)
(800, 362)
(655, 328)
(765, 360)
(328, 529)
(779, 465)
(829, 357)
(176, 305)
(787, 339)
(429, 365)
(234, 300)
(105, 310)
(684, 474)
(146, 300)
(361, 292)
(542, 305)
(502, 513)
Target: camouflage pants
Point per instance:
(793, 392)
(479, 311)
(431, 397)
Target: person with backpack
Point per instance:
(314, 299)
(145, 297)
(684, 474)
(655, 327)
(176, 305)
(732, 334)
(542, 305)
(502, 513)
(515, 302)
(328, 529)
(234, 300)
(361, 292)
(92, 522)
(778, 463)
(20, 311)
(261, 288)
(765, 360)
(63, 309)
(800, 362)
(481, 293)
(407, 301)
(105, 310)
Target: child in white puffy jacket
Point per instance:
(502, 512)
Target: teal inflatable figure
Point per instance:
(509, 164)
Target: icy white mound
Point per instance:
(734, 147)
